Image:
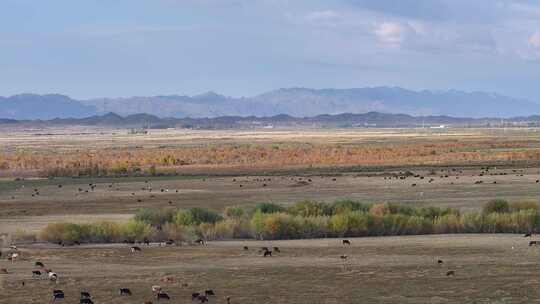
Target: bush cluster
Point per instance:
(305, 219)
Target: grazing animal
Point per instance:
(85, 294)
(439, 262)
(246, 248)
(228, 300)
(534, 243)
(39, 264)
(209, 292)
(58, 294)
(13, 257)
(136, 249)
(125, 292)
(276, 249)
(267, 253)
(528, 235)
(343, 257)
(194, 296)
(162, 296)
(36, 273)
(86, 301)
(450, 273)
(346, 242)
(53, 276)
(169, 242)
(264, 249)
(200, 242)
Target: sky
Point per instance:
(114, 48)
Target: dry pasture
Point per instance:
(488, 269)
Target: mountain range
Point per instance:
(141, 122)
(296, 102)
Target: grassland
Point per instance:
(223, 168)
(488, 269)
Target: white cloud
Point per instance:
(391, 33)
(534, 40)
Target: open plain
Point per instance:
(444, 168)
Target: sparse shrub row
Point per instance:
(167, 160)
(306, 219)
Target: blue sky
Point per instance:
(96, 48)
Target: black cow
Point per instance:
(528, 235)
(86, 301)
(531, 243)
(209, 292)
(346, 242)
(125, 292)
(162, 296)
(200, 242)
(246, 248)
(58, 295)
(450, 273)
(36, 273)
(85, 295)
(267, 253)
(39, 264)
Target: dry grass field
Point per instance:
(334, 164)
(488, 269)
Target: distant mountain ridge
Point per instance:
(345, 120)
(297, 102)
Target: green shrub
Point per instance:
(496, 206)
(136, 230)
(269, 208)
(235, 212)
(346, 205)
(196, 216)
(310, 208)
(516, 206)
(155, 217)
(257, 224)
(281, 226)
(352, 223)
(105, 232)
(305, 219)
